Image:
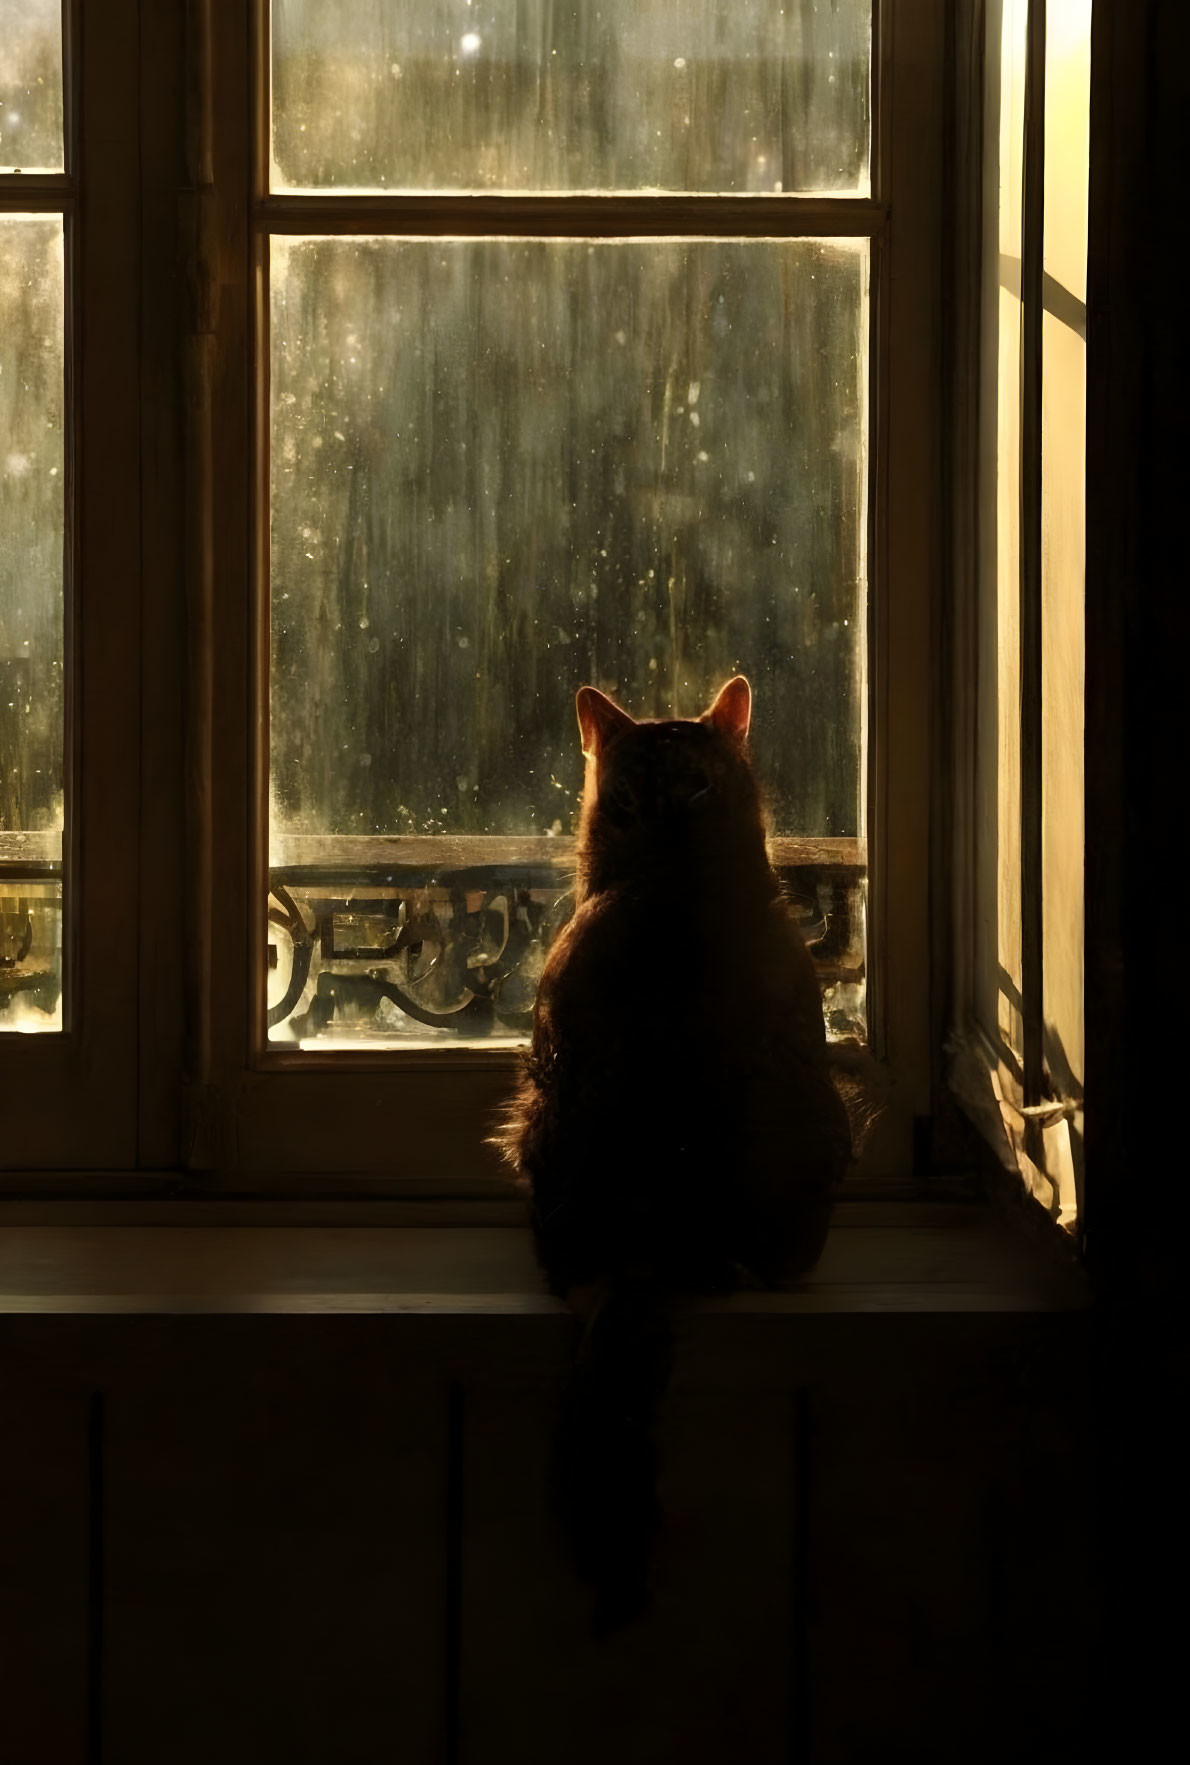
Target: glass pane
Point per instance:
(31, 85)
(999, 799)
(30, 951)
(1063, 514)
(31, 626)
(501, 469)
(572, 95)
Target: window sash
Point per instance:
(73, 1092)
(613, 215)
(476, 1081)
(354, 858)
(170, 827)
(1009, 1067)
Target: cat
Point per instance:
(675, 1119)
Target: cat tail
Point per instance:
(606, 1451)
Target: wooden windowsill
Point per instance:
(971, 1263)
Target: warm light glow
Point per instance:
(1063, 566)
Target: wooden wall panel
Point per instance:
(327, 1538)
(950, 1599)
(707, 1674)
(44, 1572)
(274, 1553)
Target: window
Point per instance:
(560, 449)
(33, 520)
(467, 358)
(1022, 1051)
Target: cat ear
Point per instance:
(599, 721)
(732, 711)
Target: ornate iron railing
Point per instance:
(406, 942)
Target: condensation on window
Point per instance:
(31, 86)
(31, 619)
(502, 469)
(540, 95)
(31, 523)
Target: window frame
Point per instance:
(92, 1060)
(211, 1111)
(1010, 1095)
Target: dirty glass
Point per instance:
(503, 468)
(31, 619)
(31, 85)
(560, 95)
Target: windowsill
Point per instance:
(971, 1262)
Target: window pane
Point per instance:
(999, 977)
(30, 951)
(31, 628)
(31, 85)
(501, 469)
(572, 95)
(1063, 513)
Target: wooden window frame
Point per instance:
(172, 1092)
(1011, 1109)
(72, 1096)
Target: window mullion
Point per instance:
(197, 219)
(586, 216)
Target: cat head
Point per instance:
(600, 719)
(657, 788)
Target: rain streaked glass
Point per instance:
(503, 468)
(31, 86)
(540, 95)
(31, 618)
